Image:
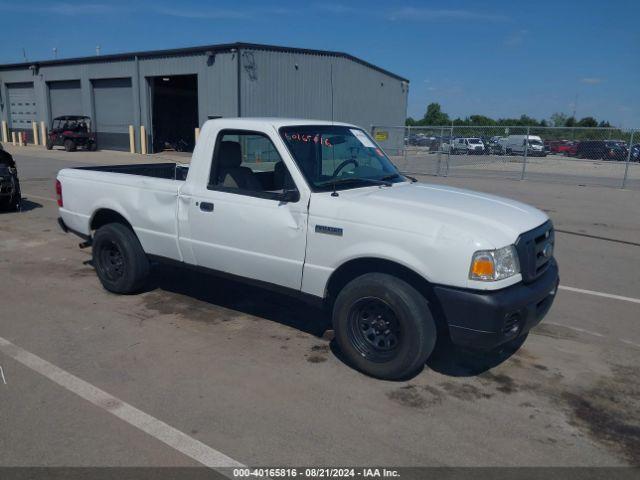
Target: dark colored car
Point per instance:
(71, 132)
(10, 197)
(601, 150)
(492, 146)
(635, 153)
(419, 140)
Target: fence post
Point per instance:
(439, 172)
(405, 144)
(446, 170)
(626, 167)
(526, 152)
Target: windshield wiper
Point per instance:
(393, 176)
(343, 181)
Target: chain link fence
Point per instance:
(582, 156)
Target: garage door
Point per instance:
(22, 107)
(113, 101)
(65, 98)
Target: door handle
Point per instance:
(206, 206)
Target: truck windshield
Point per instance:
(339, 157)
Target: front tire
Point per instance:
(119, 260)
(383, 326)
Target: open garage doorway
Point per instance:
(174, 112)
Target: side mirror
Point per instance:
(290, 196)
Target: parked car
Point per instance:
(635, 153)
(470, 146)
(493, 146)
(601, 150)
(397, 264)
(71, 132)
(10, 196)
(517, 144)
(419, 140)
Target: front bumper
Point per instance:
(487, 319)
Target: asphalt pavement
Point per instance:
(197, 366)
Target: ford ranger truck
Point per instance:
(317, 209)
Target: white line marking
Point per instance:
(156, 428)
(599, 294)
(4, 380)
(581, 330)
(630, 343)
(27, 196)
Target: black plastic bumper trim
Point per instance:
(484, 319)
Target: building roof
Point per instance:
(224, 47)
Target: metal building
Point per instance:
(171, 92)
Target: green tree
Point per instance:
(570, 122)
(435, 116)
(481, 120)
(587, 122)
(559, 119)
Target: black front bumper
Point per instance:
(486, 319)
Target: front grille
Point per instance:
(535, 251)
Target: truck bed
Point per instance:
(169, 171)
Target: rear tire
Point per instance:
(93, 146)
(119, 260)
(69, 145)
(49, 144)
(383, 326)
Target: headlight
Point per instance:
(492, 265)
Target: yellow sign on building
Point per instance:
(381, 136)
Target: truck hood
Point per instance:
(426, 209)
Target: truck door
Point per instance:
(249, 220)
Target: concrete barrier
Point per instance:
(132, 139)
(34, 127)
(143, 140)
(43, 133)
(5, 132)
(13, 139)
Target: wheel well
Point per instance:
(105, 216)
(355, 268)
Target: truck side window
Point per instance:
(249, 163)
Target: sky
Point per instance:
(501, 58)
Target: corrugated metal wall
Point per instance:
(273, 83)
(300, 85)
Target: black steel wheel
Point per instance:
(374, 329)
(111, 261)
(383, 326)
(119, 260)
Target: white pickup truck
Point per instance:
(317, 209)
